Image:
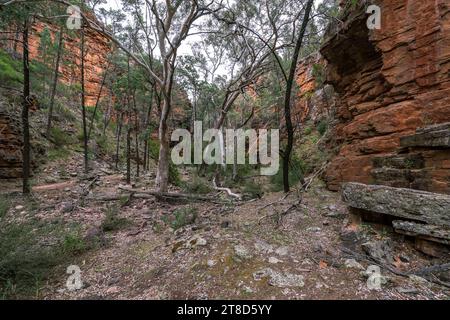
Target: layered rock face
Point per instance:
(10, 144)
(313, 102)
(96, 59)
(391, 82)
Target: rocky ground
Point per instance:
(300, 246)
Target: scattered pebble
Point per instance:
(242, 252)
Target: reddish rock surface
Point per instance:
(10, 145)
(390, 82)
(97, 50)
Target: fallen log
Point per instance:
(168, 195)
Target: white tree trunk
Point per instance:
(162, 174)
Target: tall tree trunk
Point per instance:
(83, 107)
(128, 124)
(136, 124)
(128, 151)
(147, 137)
(25, 109)
(119, 133)
(91, 124)
(162, 174)
(55, 81)
(107, 117)
(287, 101)
(16, 40)
(158, 107)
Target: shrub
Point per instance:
(10, 70)
(181, 217)
(59, 137)
(57, 153)
(30, 250)
(307, 131)
(318, 72)
(174, 175)
(296, 172)
(252, 190)
(64, 112)
(4, 206)
(322, 127)
(112, 221)
(105, 146)
(198, 186)
(74, 243)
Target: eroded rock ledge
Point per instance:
(390, 82)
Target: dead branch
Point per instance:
(433, 269)
(394, 271)
(227, 190)
(280, 215)
(167, 195)
(315, 174)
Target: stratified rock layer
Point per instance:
(10, 144)
(96, 59)
(391, 82)
(411, 204)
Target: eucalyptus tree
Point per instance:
(167, 24)
(288, 95)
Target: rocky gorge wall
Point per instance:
(97, 50)
(389, 83)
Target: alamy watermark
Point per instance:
(374, 20)
(74, 20)
(74, 281)
(228, 149)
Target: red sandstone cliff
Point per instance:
(389, 82)
(97, 50)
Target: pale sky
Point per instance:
(185, 48)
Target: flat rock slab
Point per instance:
(426, 231)
(432, 208)
(432, 136)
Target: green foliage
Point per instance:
(4, 205)
(174, 175)
(57, 153)
(74, 243)
(252, 190)
(181, 217)
(59, 137)
(307, 131)
(105, 146)
(112, 221)
(318, 72)
(98, 114)
(296, 171)
(322, 127)
(197, 185)
(30, 250)
(10, 70)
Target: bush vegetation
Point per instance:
(30, 251)
(181, 217)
